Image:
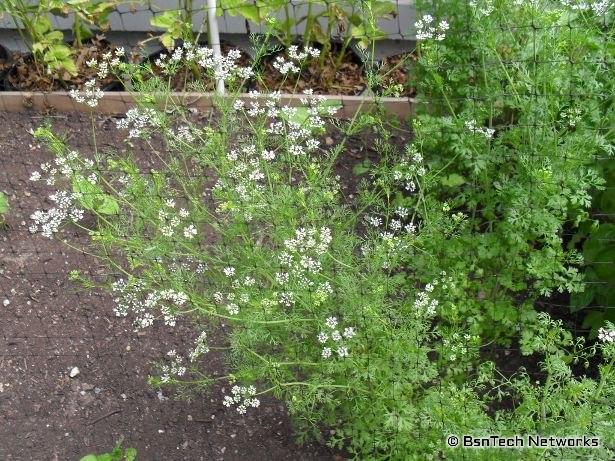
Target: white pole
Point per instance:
(214, 38)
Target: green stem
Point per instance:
(603, 378)
(308, 25)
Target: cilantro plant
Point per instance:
(512, 128)
(370, 314)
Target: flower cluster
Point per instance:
(606, 335)
(200, 347)
(175, 368)
(427, 29)
(242, 182)
(424, 304)
(134, 298)
(484, 131)
(183, 267)
(598, 7)
(295, 58)
(110, 60)
(138, 120)
(90, 94)
(68, 166)
(332, 339)
(183, 135)
(240, 296)
(410, 169)
(302, 259)
(168, 221)
(269, 108)
(243, 397)
(298, 136)
(65, 209)
(571, 116)
(482, 7)
(394, 235)
(395, 224)
(221, 67)
(458, 346)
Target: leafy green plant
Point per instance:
(175, 25)
(118, 454)
(89, 14)
(349, 19)
(178, 25)
(259, 12)
(34, 25)
(354, 21)
(512, 154)
(371, 314)
(598, 236)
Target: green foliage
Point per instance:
(598, 238)
(372, 314)
(118, 454)
(523, 185)
(350, 20)
(177, 24)
(93, 197)
(4, 207)
(256, 11)
(173, 23)
(33, 23)
(89, 14)
(33, 20)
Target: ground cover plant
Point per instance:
(375, 315)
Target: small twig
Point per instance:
(104, 416)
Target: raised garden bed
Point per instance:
(337, 75)
(119, 102)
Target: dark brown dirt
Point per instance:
(395, 70)
(329, 77)
(50, 325)
(4, 65)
